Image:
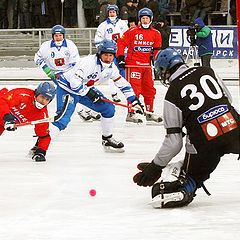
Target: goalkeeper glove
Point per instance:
(50, 73)
(150, 173)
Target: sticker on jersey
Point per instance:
(135, 75)
(212, 113)
(52, 54)
(116, 36)
(219, 126)
(143, 49)
(211, 129)
(59, 61)
(227, 122)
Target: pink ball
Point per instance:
(92, 192)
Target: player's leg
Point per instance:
(107, 111)
(133, 76)
(60, 125)
(175, 189)
(149, 92)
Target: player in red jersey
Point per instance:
(21, 105)
(143, 42)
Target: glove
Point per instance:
(39, 155)
(150, 173)
(121, 61)
(95, 97)
(49, 72)
(137, 104)
(9, 122)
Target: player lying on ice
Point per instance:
(21, 105)
(199, 101)
(79, 81)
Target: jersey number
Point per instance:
(198, 95)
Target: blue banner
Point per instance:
(224, 41)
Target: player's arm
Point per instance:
(40, 62)
(44, 139)
(99, 36)
(157, 44)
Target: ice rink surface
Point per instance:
(50, 200)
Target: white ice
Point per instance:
(50, 200)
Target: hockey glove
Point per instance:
(39, 155)
(50, 73)
(137, 104)
(9, 122)
(95, 97)
(150, 173)
(121, 61)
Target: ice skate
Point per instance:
(112, 145)
(154, 118)
(84, 115)
(94, 115)
(115, 98)
(131, 117)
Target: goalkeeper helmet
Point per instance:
(165, 60)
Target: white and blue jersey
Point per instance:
(59, 59)
(110, 30)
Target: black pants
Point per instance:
(206, 60)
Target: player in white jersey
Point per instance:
(89, 71)
(113, 28)
(59, 55)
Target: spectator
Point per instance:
(205, 7)
(103, 14)
(132, 22)
(39, 13)
(70, 8)
(190, 7)
(163, 7)
(25, 11)
(204, 42)
(56, 8)
(89, 7)
(3, 14)
(162, 26)
(14, 8)
(128, 10)
(233, 11)
(153, 5)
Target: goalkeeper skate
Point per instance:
(111, 145)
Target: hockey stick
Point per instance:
(137, 66)
(50, 119)
(126, 106)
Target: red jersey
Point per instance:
(140, 42)
(19, 102)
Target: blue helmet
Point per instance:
(113, 7)
(107, 46)
(145, 12)
(58, 29)
(165, 60)
(46, 89)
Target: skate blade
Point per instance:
(160, 200)
(109, 149)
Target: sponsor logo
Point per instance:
(142, 49)
(135, 75)
(212, 113)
